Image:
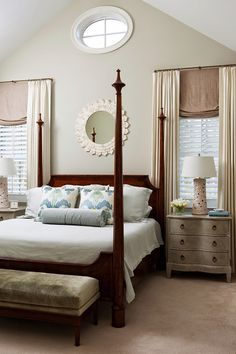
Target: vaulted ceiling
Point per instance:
(21, 19)
(214, 18)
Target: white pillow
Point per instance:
(135, 201)
(34, 196)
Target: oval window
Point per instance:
(102, 29)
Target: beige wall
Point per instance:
(79, 78)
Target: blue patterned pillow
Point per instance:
(63, 197)
(97, 199)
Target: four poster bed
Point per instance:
(109, 266)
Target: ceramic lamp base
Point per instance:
(4, 202)
(199, 201)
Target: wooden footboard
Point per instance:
(101, 269)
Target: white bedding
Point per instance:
(27, 239)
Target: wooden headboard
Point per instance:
(135, 180)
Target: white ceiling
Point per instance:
(214, 18)
(21, 19)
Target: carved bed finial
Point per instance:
(118, 84)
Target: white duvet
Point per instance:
(27, 239)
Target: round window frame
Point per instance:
(96, 14)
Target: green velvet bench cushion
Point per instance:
(65, 297)
(69, 294)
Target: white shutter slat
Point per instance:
(198, 136)
(13, 143)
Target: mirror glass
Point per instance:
(100, 127)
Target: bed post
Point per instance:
(40, 151)
(161, 208)
(118, 309)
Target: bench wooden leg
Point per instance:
(77, 334)
(95, 313)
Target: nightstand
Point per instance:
(8, 213)
(198, 243)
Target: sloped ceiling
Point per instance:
(21, 19)
(213, 18)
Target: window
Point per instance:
(102, 29)
(13, 143)
(198, 135)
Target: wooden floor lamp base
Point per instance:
(199, 201)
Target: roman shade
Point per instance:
(199, 93)
(13, 103)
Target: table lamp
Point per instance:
(200, 168)
(7, 168)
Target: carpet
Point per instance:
(187, 314)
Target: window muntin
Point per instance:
(198, 135)
(104, 33)
(13, 143)
(102, 29)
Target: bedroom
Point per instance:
(158, 42)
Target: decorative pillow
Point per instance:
(136, 202)
(34, 197)
(97, 199)
(63, 197)
(73, 216)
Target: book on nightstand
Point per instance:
(218, 212)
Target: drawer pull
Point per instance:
(214, 259)
(182, 226)
(181, 242)
(214, 227)
(182, 257)
(1, 218)
(214, 243)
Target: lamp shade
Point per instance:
(7, 167)
(199, 166)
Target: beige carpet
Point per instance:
(186, 314)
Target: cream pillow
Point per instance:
(34, 197)
(135, 201)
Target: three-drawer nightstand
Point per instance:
(10, 213)
(198, 243)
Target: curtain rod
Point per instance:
(196, 67)
(15, 81)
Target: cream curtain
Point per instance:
(166, 95)
(227, 147)
(39, 101)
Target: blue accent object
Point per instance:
(218, 213)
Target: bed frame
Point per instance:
(109, 267)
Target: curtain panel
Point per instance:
(199, 93)
(39, 101)
(227, 148)
(166, 96)
(13, 103)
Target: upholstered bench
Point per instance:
(48, 297)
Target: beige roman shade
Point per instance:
(13, 103)
(199, 93)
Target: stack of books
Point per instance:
(219, 212)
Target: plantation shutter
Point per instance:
(13, 143)
(198, 136)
